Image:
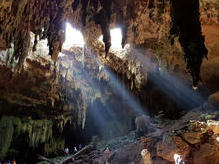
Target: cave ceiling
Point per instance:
(138, 20)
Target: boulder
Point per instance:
(214, 99)
(142, 124)
(208, 153)
(172, 145)
(192, 137)
(214, 126)
(126, 154)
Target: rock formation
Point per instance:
(47, 20)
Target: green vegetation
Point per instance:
(6, 132)
(37, 132)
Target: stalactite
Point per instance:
(124, 34)
(25, 49)
(35, 43)
(84, 9)
(101, 19)
(186, 24)
(75, 4)
(18, 18)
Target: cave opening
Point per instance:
(116, 38)
(73, 37)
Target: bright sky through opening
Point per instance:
(116, 38)
(73, 37)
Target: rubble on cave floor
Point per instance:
(194, 137)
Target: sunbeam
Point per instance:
(182, 93)
(101, 114)
(121, 90)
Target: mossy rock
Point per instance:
(6, 131)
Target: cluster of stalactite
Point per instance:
(46, 19)
(100, 12)
(15, 27)
(186, 25)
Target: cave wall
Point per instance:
(210, 28)
(41, 89)
(45, 135)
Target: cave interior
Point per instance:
(108, 81)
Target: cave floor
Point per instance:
(188, 136)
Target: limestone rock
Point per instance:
(214, 99)
(172, 145)
(192, 137)
(126, 154)
(197, 126)
(208, 153)
(210, 73)
(142, 124)
(214, 126)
